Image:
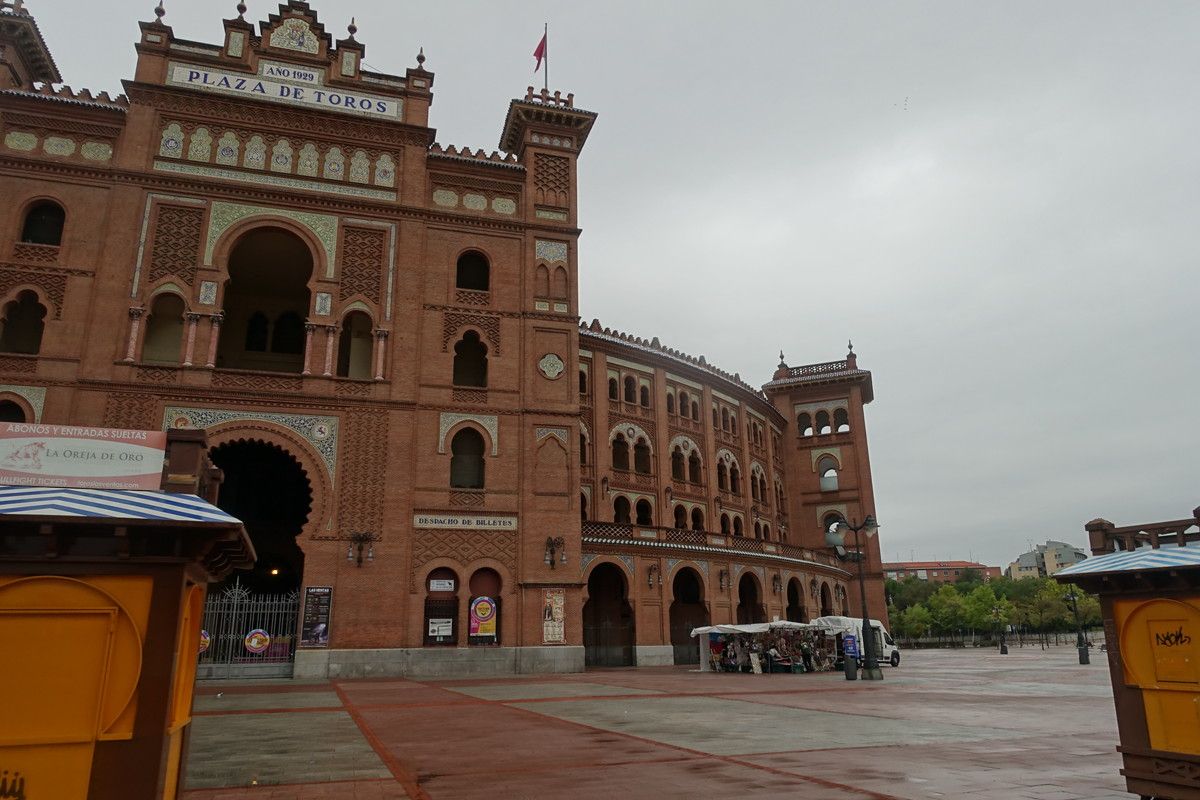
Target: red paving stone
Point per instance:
(1034, 727)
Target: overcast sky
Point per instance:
(998, 202)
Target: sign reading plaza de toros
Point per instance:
(482, 522)
(80, 458)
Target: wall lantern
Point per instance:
(556, 544)
(359, 540)
(653, 572)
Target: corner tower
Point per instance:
(24, 57)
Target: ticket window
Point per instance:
(483, 617)
(441, 608)
(1160, 648)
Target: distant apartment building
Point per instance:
(1045, 560)
(937, 571)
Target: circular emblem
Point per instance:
(172, 144)
(182, 422)
(227, 151)
(551, 366)
(257, 640)
(484, 610)
(321, 431)
(205, 641)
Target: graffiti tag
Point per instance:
(1172, 638)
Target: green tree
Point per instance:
(915, 622)
(977, 608)
(946, 606)
(909, 592)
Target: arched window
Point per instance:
(823, 422)
(473, 272)
(725, 524)
(614, 393)
(630, 389)
(670, 404)
(24, 323)
(767, 532)
(164, 330)
(355, 346)
(762, 488)
(645, 514)
(677, 465)
(441, 604)
(269, 270)
(644, 396)
(722, 476)
(583, 508)
(684, 405)
(753, 489)
(470, 361)
(724, 419)
(11, 412)
(621, 511)
(757, 531)
(559, 289)
(583, 389)
(641, 457)
(287, 335)
(695, 411)
(582, 449)
(841, 420)
(716, 418)
(620, 453)
(697, 519)
(737, 526)
(829, 521)
(804, 424)
(541, 282)
(694, 468)
(258, 332)
(680, 517)
(735, 480)
(466, 460)
(44, 224)
(485, 583)
(827, 468)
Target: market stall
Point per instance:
(779, 646)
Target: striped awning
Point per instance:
(1144, 558)
(22, 501)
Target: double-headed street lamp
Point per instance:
(835, 537)
(997, 614)
(1073, 598)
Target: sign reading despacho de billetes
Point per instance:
(284, 84)
(489, 522)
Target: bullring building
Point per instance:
(434, 456)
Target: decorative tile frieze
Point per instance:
(319, 431)
(278, 181)
(551, 252)
(20, 140)
(557, 433)
(489, 422)
(96, 151)
(34, 395)
(225, 215)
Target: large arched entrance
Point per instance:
(608, 631)
(266, 302)
(750, 608)
(687, 612)
(249, 627)
(795, 602)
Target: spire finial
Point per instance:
(782, 363)
(159, 11)
(352, 28)
(241, 9)
(421, 59)
(850, 346)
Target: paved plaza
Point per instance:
(962, 724)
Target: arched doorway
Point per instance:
(826, 601)
(687, 612)
(11, 412)
(795, 602)
(607, 620)
(266, 488)
(750, 608)
(266, 302)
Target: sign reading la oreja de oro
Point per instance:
(74, 457)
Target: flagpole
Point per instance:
(546, 57)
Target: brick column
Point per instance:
(309, 327)
(135, 325)
(381, 337)
(214, 336)
(330, 338)
(190, 350)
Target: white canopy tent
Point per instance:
(755, 627)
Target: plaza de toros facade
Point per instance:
(382, 337)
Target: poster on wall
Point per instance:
(554, 616)
(440, 627)
(72, 457)
(483, 618)
(314, 629)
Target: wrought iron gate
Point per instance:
(248, 635)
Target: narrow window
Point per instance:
(24, 323)
(620, 453)
(473, 272)
(677, 465)
(630, 389)
(644, 396)
(583, 388)
(559, 290)
(288, 334)
(613, 392)
(804, 424)
(645, 515)
(641, 457)
(737, 526)
(621, 511)
(355, 346)
(470, 361)
(582, 449)
(670, 404)
(466, 460)
(841, 420)
(722, 477)
(725, 524)
(827, 469)
(44, 224)
(735, 480)
(697, 519)
(694, 468)
(164, 330)
(257, 333)
(680, 517)
(823, 422)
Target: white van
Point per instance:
(886, 650)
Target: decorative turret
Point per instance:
(24, 57)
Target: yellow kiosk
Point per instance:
(101, 594)
(1148, 579)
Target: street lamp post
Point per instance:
(996, 615)
(871, 670)
(1073, 599)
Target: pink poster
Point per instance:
(75, 457)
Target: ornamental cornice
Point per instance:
(612, 546)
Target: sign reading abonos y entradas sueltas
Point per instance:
(75, 457)
(266, 87)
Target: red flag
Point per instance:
(540, 52)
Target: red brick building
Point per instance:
(381, 335)
(938, 571)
